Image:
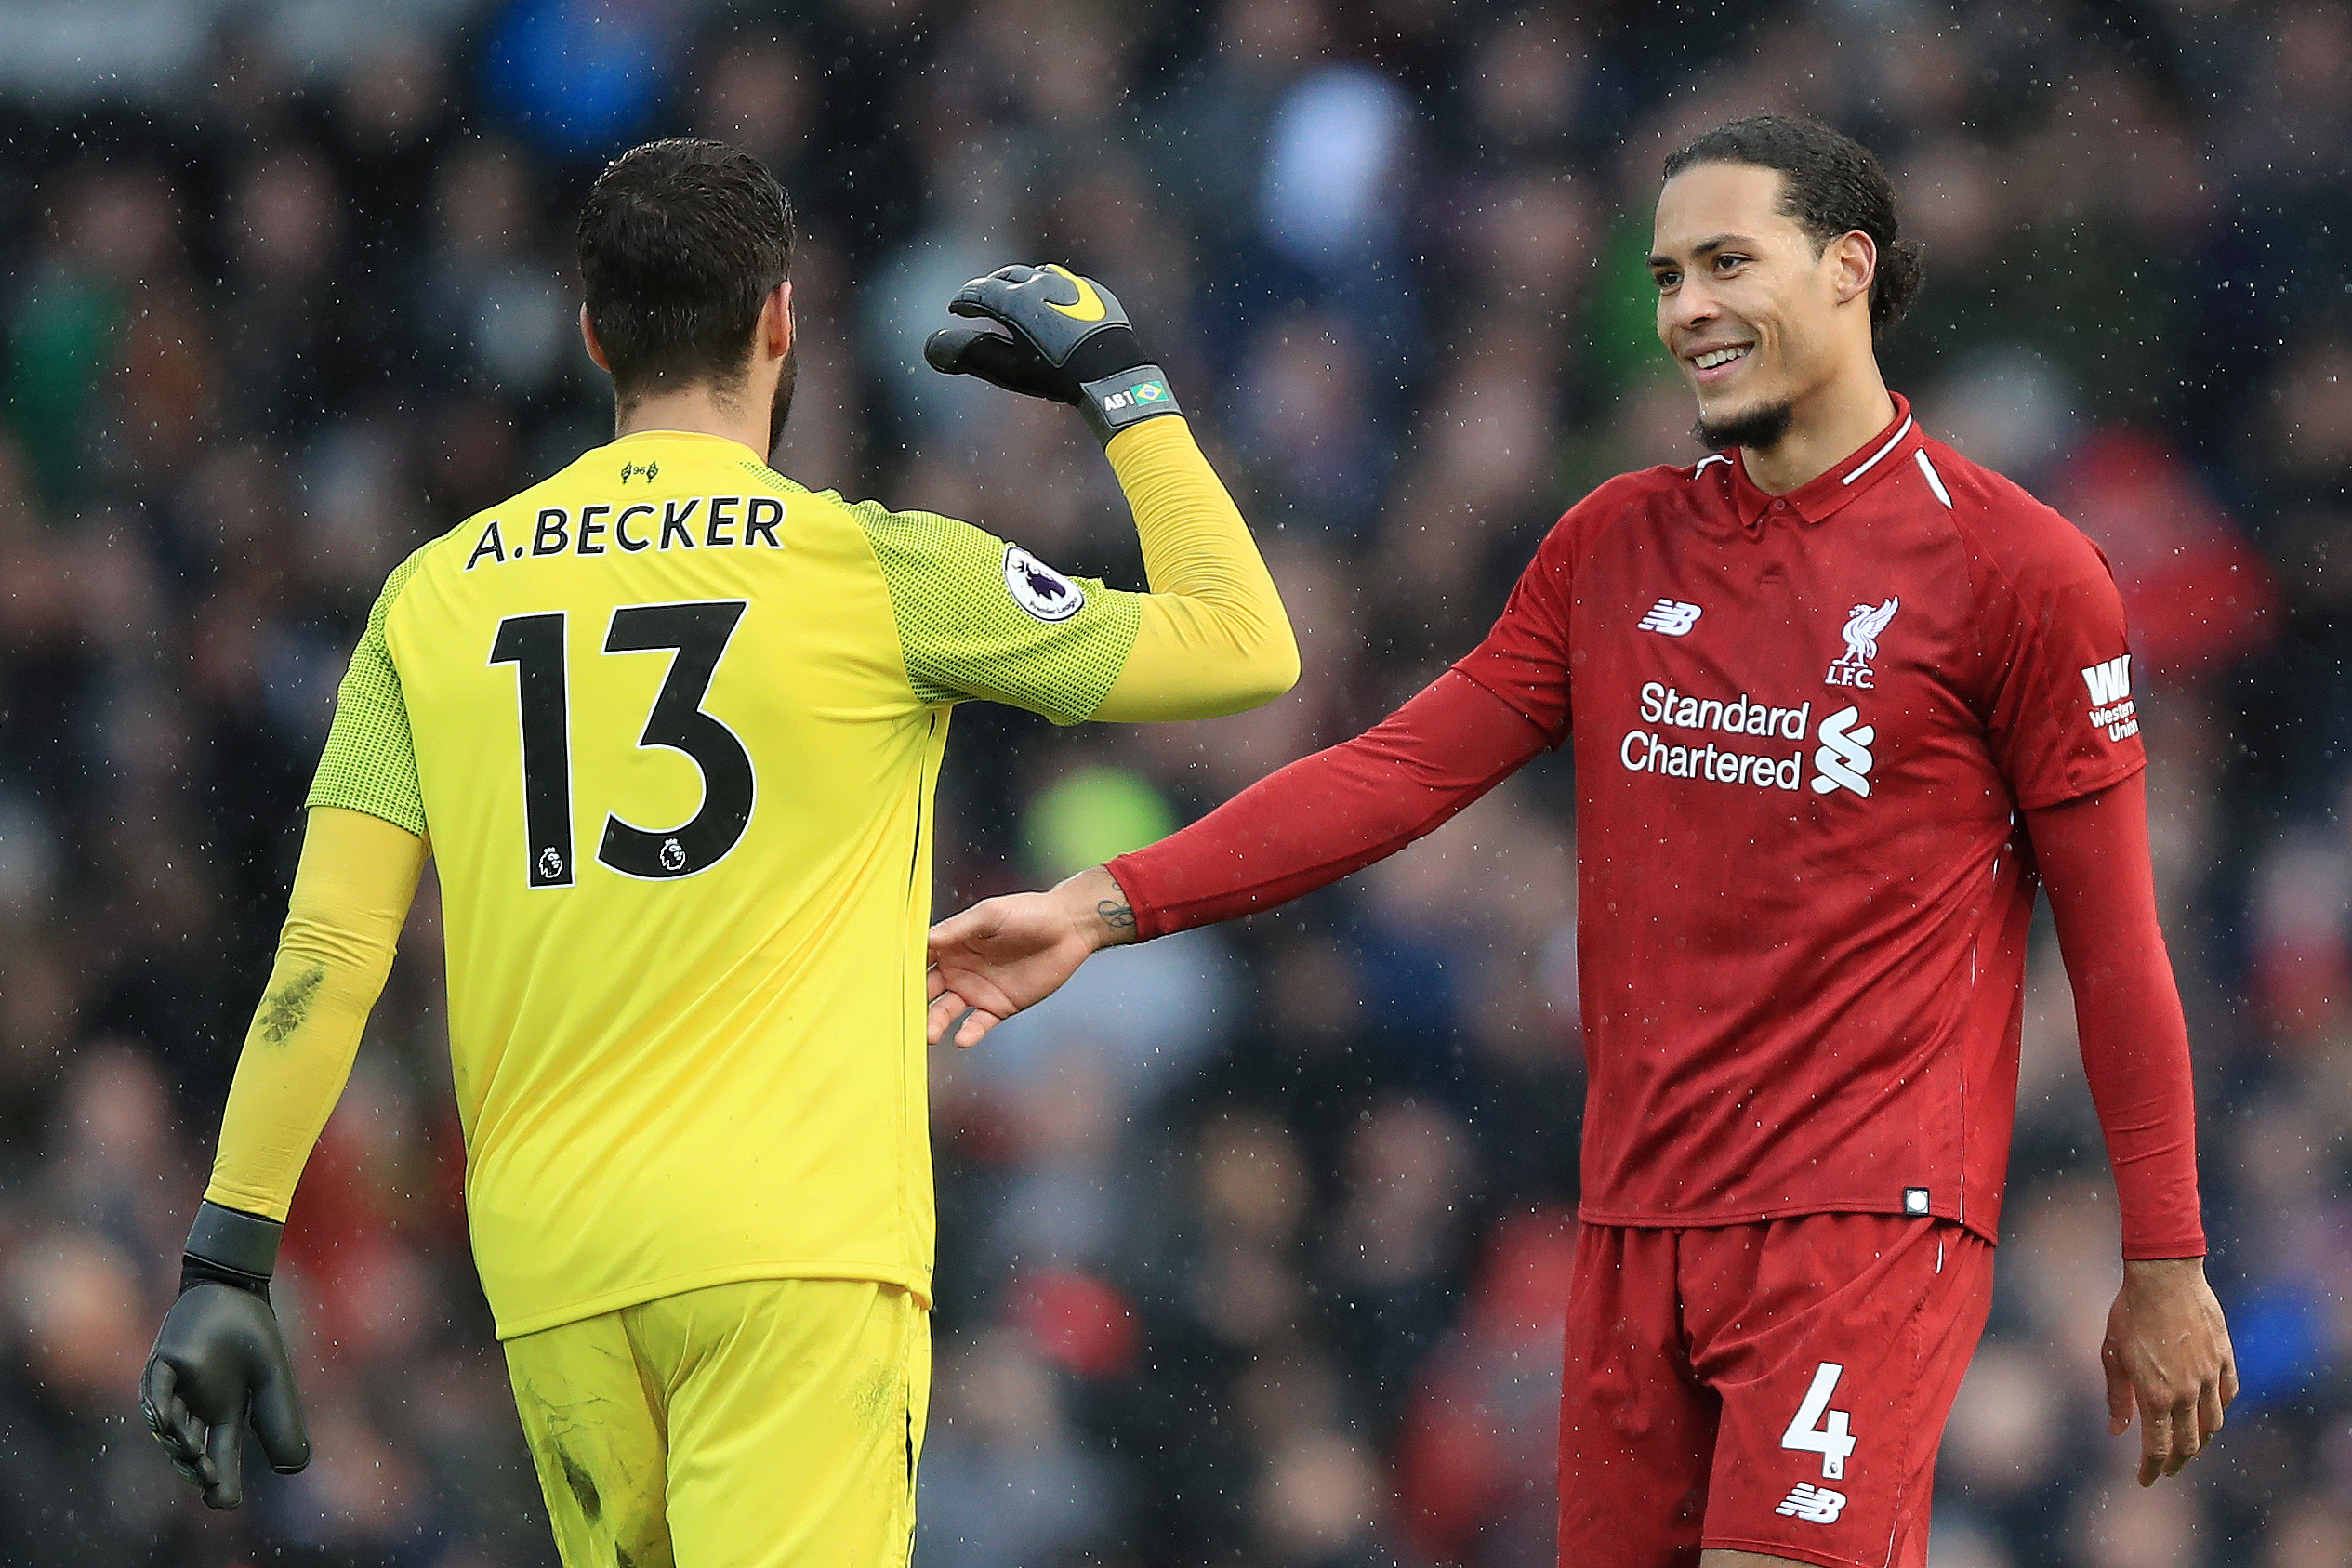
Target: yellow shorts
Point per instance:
(743, 1426)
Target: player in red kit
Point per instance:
(1841, 699)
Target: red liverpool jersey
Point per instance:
(1803, 728)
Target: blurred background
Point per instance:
(1253, 1242)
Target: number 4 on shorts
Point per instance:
(1808, 1433)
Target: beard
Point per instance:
(780, 406)
(1758, 428)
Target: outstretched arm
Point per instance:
(1308, 825)
(1011, 953)
(2167, 1353)
(1329, 815)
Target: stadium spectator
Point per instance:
(173, 591)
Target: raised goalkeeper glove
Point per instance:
(1070, 342)
(220, 1358)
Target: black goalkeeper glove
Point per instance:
(220, 1359)
(1070, 342)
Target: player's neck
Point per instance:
(1829, 426)
(702, 411)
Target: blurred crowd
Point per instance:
(1253, 1242)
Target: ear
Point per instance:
(776, 323)
(596, 350)
(1852, 259)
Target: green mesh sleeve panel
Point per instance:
(965, 635)
(761, 471)
(370, 763)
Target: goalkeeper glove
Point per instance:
(220, 1358)
(1070, 342)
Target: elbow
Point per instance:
(1271, 670)
(1251, 661)
(1253, 681)
(1209, 666)
(1244, 695)
(1281, 666)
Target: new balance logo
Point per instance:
(1816, 1504)
(1671, 616)
(2110, 682)
(1844, 755)
(2111, 706)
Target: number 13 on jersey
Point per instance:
(696, 637)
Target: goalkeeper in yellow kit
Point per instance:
(670, 724)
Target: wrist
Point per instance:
(1124, 399)
(2163, 1276)
(229, 1246)
(1097, 908)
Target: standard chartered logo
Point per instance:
(1841, 759)
(1649, 751)
(1844, 754)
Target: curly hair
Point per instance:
(1830, 186)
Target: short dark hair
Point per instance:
(1830, 185)
(681, 243)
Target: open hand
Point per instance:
(1011, 953)
(2168, 1356)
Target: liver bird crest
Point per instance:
(1862, 627)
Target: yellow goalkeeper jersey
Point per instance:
(671, 723)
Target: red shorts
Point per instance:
(1777, 1388)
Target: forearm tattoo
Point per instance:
(1116, 915)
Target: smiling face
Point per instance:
(1758, 317)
